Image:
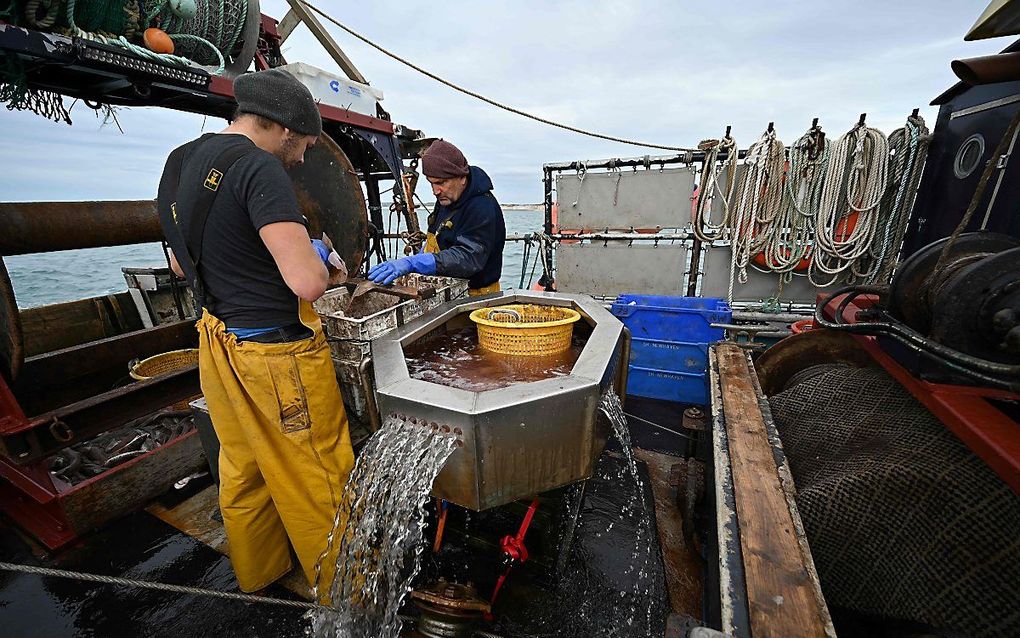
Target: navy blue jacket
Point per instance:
(471, 245)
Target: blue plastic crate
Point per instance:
(669, 352)
(663, 354)
(669, 385)
(682, 319)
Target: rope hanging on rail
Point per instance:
(908, 146)
(791, 234)
(718, 180)
(848, 215)
(758, 201)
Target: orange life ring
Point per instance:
(801, 266)
(844, 229)
(803, 325)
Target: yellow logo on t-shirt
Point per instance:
(173, 211)
(212, 182)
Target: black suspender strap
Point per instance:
(199, 211)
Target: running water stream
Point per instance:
(377, 531)
(635, 510)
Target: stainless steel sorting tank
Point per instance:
(519, 440)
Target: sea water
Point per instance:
(68, 275)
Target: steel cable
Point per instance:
(166, 587)
(487, 100)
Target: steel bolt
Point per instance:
(457, 431)
(445, 429)
(1004, 320)
(1012, 340)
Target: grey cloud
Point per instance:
(667, 72)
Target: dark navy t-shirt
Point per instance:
(243, 283)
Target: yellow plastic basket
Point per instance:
(525, 329)
(164, 363)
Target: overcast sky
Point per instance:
(664, 72)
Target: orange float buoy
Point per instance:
(158, 41)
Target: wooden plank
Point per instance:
(780, 591)
(196, 518)
(72, 323)
(681, 560)
(287, 25)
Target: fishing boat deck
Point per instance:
(179, 539)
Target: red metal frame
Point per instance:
(29, 496)
(991, 434)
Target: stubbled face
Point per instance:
(292, 147)
(449, 190)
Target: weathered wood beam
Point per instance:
(326, 40)
(287, 25)
(782, 596)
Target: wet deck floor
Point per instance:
(140, 546)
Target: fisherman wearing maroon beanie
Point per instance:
(466, 230)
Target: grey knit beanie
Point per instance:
(277, 95)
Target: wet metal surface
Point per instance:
(596, 592)
(512, 449)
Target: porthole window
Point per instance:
(969, 156)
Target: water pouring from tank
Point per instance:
(485, 501)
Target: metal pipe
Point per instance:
(38, 227)
(747, 315)
(366, 387)
(1002, 67)
(547, 279)
(607, 236)
(632, 162)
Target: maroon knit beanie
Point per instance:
(443, 160)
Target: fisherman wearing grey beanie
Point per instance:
(232, 218)
(278, 96)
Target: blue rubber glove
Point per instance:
(387, 272)
(320, 247)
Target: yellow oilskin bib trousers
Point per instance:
(285, 448)
(432, 246)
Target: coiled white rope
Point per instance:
(710, 186)
(791, 235)
(855, 182)
(759, 198)
(908, 147)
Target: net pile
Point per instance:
(902, 519)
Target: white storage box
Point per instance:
(335, 90)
